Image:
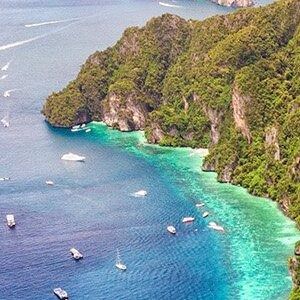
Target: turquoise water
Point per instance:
(91, 207)
(258, 237)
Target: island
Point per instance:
(230, 83)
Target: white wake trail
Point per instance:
(169, 5)
(19, 43)
(3, 77)
(49, 23)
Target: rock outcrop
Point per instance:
(239, 104)
(272, 142)
(124, 112)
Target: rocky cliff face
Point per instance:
(235, 3)
(239, 104)
(125, 113)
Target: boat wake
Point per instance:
(5, 67)
(48, 23)
(3, 77)
(169, 5)
(7, 93)
(19, 43)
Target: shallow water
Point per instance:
(90, 206)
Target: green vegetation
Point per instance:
(230, 83)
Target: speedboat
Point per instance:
(119, 264)
(4, 178)
(171, 229)
(10, 219)
(205, 214)
(60, 293)
(72, 157)
(215, 226)
(76, 254)
(188, 219)
(141, 193)
(199, 205)
(49, 182)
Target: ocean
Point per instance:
(91, 206)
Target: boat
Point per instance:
(88, 130)
(199, 205)
(76, 127)
(188, 219)
(76, 254)
(5, 121)
(205, 214)
(141, 193)
(10, 221)
(60, 293)
(119, 264)
(4, 178)
(72, 157)
(82, 125)
(215, 226)
(171, 229)
(49, 182)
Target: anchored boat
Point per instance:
(119, 264)
(10, 219)
(72, 157)
(188, 219)
(205, 214)
(76, 254)
(141, 193)
(60, 293)
(215, 226)
(171, 229)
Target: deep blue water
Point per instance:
(90, 206)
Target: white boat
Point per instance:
(205, 214)
(76, 254)
(188, 219)
(141, 193)
(49, 182)
(119, 264)
(88, 130)
(215, 226)
(60, 293)
(4, 178)
(10, 221)
(171, 229)
(72, 157)
(82, 125)
(76, 127)
(199, 205)
(5, 121)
